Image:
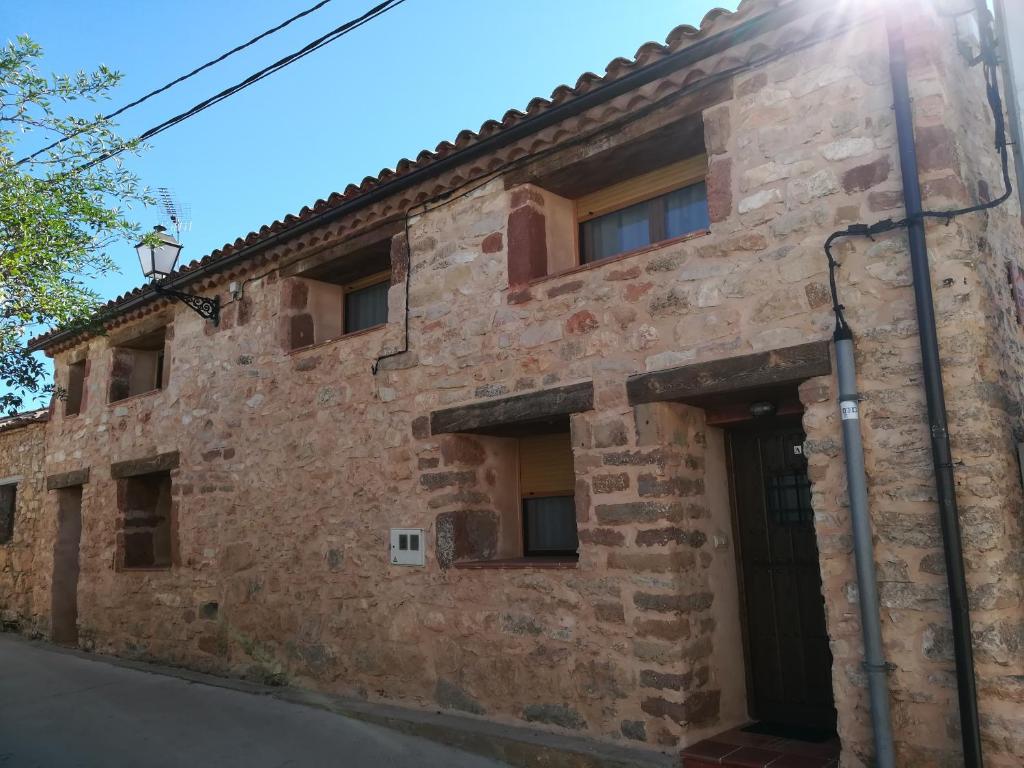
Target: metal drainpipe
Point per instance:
(863, 550)
(942, 458)
(1013, 108)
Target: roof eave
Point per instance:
(684, 57)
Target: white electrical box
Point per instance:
(407, 546)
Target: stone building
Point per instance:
(538, 350)
(25, 544)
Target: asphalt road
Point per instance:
(59, 710)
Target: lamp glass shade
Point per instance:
(158, 260)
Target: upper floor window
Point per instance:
(139, 366)
(339, 297)
(562, 216)
(366, 302)
(76, 388)
(661, 205)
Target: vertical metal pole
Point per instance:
(863, 551)
(938, 428)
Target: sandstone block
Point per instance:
(561, 715)
(673, 603)
(610, 483)
(639, 512)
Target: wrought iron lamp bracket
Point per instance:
(204, 306)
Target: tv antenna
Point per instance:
(178, 214)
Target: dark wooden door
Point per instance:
(64, 594)
(789, 664)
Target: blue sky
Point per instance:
(415, 76)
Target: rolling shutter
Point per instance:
(545, 465)
(643, 187)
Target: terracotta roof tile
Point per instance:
(23, 419)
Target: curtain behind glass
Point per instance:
(618, 232)
(673, 215)
(550, 525)
(366, 307)
(686, 210)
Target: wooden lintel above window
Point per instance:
(504, 415)
(620, 150)
(161, 462)
(365, 282)
(349, 257)
(67, 479)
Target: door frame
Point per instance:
(59, 632)
(754, 424)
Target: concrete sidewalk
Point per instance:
(60, 709)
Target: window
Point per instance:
(8, 504)
(138, 366)
(512, 459)
(341, 296)
(788, 497)
(546, 489)
(366, 302)
(144, 502)
(76, 388)
(656, 206)
(632, 189)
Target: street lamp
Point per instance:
(158, 260)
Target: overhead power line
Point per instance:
(177, 80)
(320, 42)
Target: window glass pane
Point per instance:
(789, 498)
(550, 525)
(366, 307)
(617, 232)
(686, 210)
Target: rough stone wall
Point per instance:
(980, 352)
(986, 403)
(25, 561)
(294, 465)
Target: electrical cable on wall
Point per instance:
(937, 420)
(174, 82)
(990, 63)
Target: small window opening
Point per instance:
(8, 504)
(648, 209)
(634, 193)
(340, 297)
(139, 366)
(75, 390)
(546, 490)
(145, 507)
(366, 303)
(788, 496)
